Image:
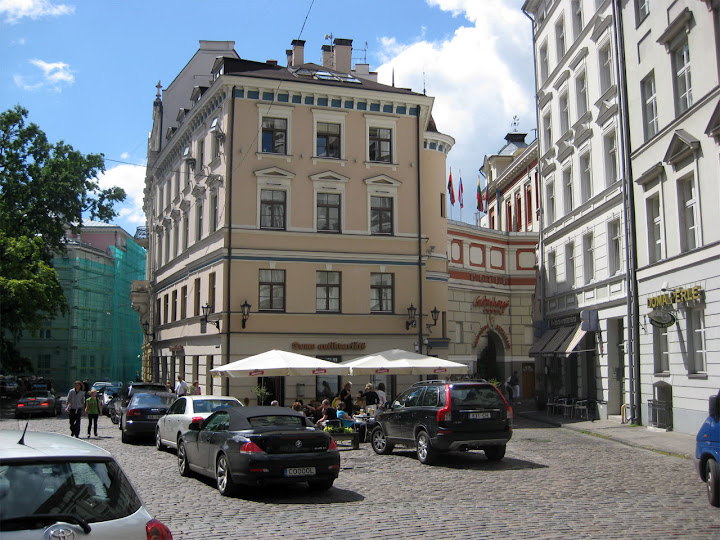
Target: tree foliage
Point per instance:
(45, 189)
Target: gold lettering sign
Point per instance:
(678, 295)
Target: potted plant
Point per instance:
(261, 392)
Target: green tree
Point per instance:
(45, 190)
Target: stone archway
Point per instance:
(490, 357)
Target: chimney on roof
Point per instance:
(288, 53)
(298, 52)
(271, 62)
(327, 57)
(343, 54)
(516, 137)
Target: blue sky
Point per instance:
(86, 70)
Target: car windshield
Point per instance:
(152, 400)
(36, 394)
(212, 405)
(469, 397)
(276, 421)
(94, 491)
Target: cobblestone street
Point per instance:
(553, 483)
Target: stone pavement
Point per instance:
(665, 442)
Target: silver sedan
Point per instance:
(185, 410)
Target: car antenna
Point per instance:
(22, 439)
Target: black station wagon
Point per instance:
(441, 416)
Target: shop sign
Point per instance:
(661, 319)
(491, 305)
(333, 346)
(674, 297)
(176, 348)
(564, 321)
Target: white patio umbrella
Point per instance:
(278, 363)
(399, 362)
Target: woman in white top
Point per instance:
(381, 394)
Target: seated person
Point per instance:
(371, 397)
(327, 412)
(359, 402)
(345, 419)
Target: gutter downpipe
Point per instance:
(541, 221)
(419, 236)
(228, 175)
(633, 330)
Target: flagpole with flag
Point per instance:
(460, 195)
(479, 202)
(451, 191)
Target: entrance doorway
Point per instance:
(490, 358)
(527, 380)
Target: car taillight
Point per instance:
(250, 447)
(44, 404)
(133, 412)
(156, 530)
(198, 419)
(333, 445)
(20, 404)
(445, 414)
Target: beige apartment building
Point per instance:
(297, 207)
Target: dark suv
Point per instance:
(440, 416)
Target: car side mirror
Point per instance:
(195, 426)
(714, 406)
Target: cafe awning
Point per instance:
(573, 341)
(539, 346)
(554, 342)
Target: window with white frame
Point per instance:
(547, 131)
(552, 271)
(215, 144)
(586, 187)
(158, 253)
(168, 198)
(274, 135)
(682, 82)
(176, 238)
(606, 68)
(199, 215)
(327, 291)
(160, 199)
(570, 263)
(550, 200)
(213, 211)
(564, 112)
(695, 320)
(588, 257)
(327, 140)
(188, 168)
(577, 18)
(166, 255)
(544, 63)
(328, 212)
(186, 231)
(201, 155)
(611, 168)
(654, 225)
(581, 94)
(272, 290)
(380, 144)
(649, 106)
(381, 215)
(560, 38)
(273, 209)
(661, 355)
(381, 292)
(177, 183)
(567, 190)
(614, 247)
(642, 10)
(687, 199)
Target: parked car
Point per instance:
(38, 402)
(258, 446)
(55, 486)
(142, 413)
(118, 406)
(107, 393)
(187, 409)
(707, 451)
(441, 416)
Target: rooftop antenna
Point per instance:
(362, 58)
(158, 86)
(515, 123)
(424, 93)
(393, 77)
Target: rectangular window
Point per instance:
(160, 199)
(518, 212)
(528, 207)
(508, 216)
(328, 140)
(649, 106)
(201, 155)
(174, 306)
(696, 340)
(611, 168)
(586, 187)
(167, 245)
(274, 135)
(491, 219)
(177, 183)
(564, 113)
(176, 238)
(197, 297)
(581, 94)
(552, 272)
(689, 238)
(654, 225)
(570, 264)
(380, 144)
(381, 215)
(642, 10)
(167, 194)
(198, 220)
(272, 290)
(166, 309)
(682, 80)
(606, 68)
(560, 38)
(381, 293)
(588, 258)
(183, 302)
(547, 132)
(215, 146)
(544, 63)
(567, 190)
(212, 284)
(577, 18)
(186, 230)
(327, 291)
(213, 211)
(614, 247)
(187, 174)
(272, 209)
(443, 205)
(660, 350)
(328, 212)
(550, 201)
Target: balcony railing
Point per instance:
(660, 414)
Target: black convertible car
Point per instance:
(258, 446)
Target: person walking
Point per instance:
(196, 390)
(75, 407)
(92, 409)
(181, 387)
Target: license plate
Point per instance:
(479, 415)
(300, 471)
(154, 416)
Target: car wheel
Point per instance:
(225, 483)
(124, 436)
(379, 442)
(321, 485)
(495, 453)
(712, 478)
(425, 452)
(183, 465)
(158, 441)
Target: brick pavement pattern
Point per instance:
(553, 483)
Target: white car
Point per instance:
(59, 487)
(185, 410)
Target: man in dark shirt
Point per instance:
(328, 413)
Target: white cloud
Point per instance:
(14, 10)
(480, 77)
(132, 179)
(54, 76)
(124, 155)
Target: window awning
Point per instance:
(555, 341)
(537, 348)
(573, 341)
